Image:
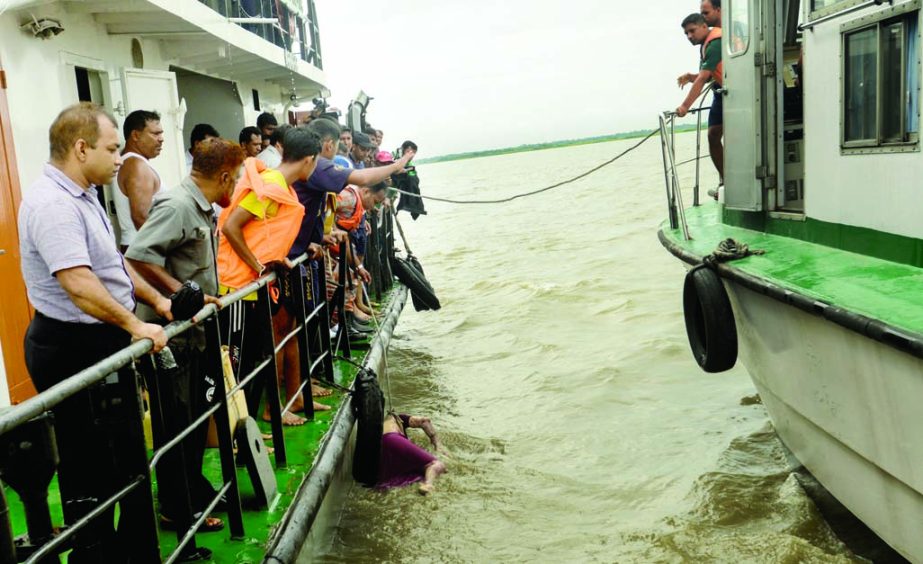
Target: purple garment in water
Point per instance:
(402, 462)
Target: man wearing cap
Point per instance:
(362, 146)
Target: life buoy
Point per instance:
(411, 275)
(709, 320)
(368, 407)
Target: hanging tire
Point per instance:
(422, 293)
(368, 407)
(709, 320)
(418, 303)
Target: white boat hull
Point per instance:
(847, 406)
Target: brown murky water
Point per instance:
(559, 376)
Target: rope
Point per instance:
(729, 250)
(541, 190)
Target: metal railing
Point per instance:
(276, 22)
(667, 122)
(312, 330)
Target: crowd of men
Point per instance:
(246, 208)
(704, 29)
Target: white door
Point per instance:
(156, 91)
(743, 106)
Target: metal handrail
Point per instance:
(812, 24)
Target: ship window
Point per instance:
(740, 27)
(881, 76)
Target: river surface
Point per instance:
(559, 377)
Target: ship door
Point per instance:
(17, 386)
(157, 91)
(749, 103)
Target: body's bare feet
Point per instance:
(321, 407)
(426, 489)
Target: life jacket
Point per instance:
(330, 211)
(269, 238)
(718, 73)
(351, 222)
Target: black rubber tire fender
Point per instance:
(368, 407)
(418, 303)
(709, 320)
(421, 291)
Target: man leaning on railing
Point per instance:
(176, 245)
(84, 295)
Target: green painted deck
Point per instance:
(301, 447)
(888, 291)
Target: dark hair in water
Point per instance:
(693, 19)
(200, 132)
(137, 121)
(327, 129)
(248, 132)
(300, 142)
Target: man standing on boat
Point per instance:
(137, 179)
(696, 28)
(177, 244)
(84, 294)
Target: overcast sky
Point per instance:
(461, 76)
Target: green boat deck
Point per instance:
(879, 289)
(302, 445)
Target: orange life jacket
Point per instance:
(718, 73)
(270, 238)
(352, 222)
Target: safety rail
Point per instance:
(289, 24)
(667, 123)
(316, 355)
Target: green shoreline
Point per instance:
(550, 145)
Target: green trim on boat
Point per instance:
(880, 289)
(886, 246)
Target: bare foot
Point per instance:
(426, 489)
(319, 392)
(288, 419)
(321, 407)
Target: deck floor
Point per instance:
(302, 444)
(880, 289)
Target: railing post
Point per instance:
(322, 320)
(671, 210)
(138, 504)
(296, 282)
(342, 339)
(270, 372)
(165, 418)
(215, 366)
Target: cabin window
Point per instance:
(881, 76)
(740, 27)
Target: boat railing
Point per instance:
(278, 22)
(317, 352)
(667, 123)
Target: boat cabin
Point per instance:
(821, 122)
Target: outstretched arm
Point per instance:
(697, 87)
(374, 175)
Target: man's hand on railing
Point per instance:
(315, 251)
(150, 331)
(164, 308)
(682, 111)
